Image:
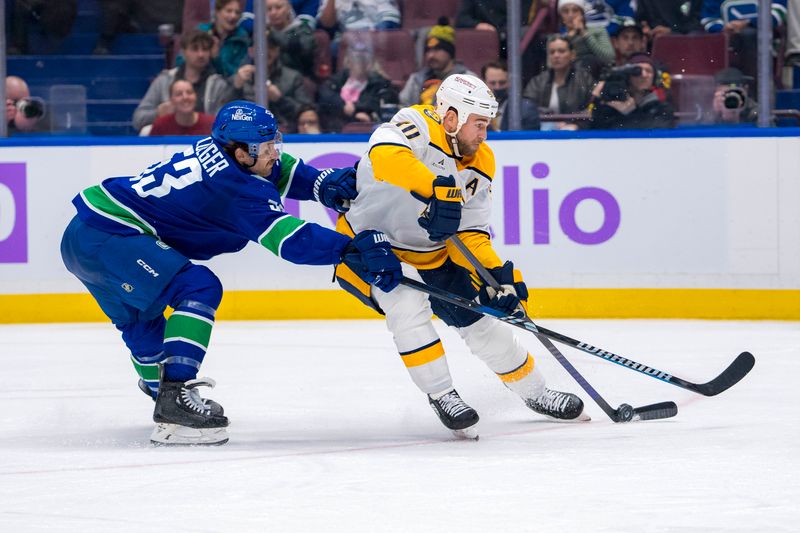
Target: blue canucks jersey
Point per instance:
(201, 203)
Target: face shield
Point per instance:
(267, 150)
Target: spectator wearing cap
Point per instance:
(440, 62)
(663, 17)
(562, 88)
(644, 102)
(286, 91)
(212, 89)
(732, 103)
(495, 75)
(355, 93)
(593, 48)
(185, 120)
(629, 40)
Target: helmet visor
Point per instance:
(270, 149)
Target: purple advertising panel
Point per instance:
(13, 214)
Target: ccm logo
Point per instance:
(147, 268)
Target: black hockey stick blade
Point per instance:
(655, 411)
(732, 375)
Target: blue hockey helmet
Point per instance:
(247, 123)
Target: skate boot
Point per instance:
(215, 407)
(558, 405)
(183, 417)
(455, 414)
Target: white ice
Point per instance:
(328, 433)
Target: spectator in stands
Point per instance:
(562, 88)
(305, 12)
(355, 93)
(490, 15)
(295, 36)
(286, 92)
(186, 120)
(230, 41)
(23, 113)
(54, 20)
(133, 16)
(593, 49)
(633, 101)
(793, 33)
(610, 15)
(629, 40)
(353, 15)
(662, 17)
(212, 90)
(495, 75)
(740, 20)
(440, 51)
(308, 120)
(732, 104)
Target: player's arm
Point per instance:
(332, 187)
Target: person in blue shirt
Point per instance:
(134, 239)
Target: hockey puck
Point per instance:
(625, 413)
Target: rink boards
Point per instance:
(683, 225)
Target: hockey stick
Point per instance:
(729, 377)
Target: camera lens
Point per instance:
(30, 108)
(733, 99)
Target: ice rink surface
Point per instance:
(328, 433)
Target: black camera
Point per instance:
(31, 107)
(734, 98)
(616, 80)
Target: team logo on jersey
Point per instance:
(162, 245)
(275, 206)
(241, 114)
(440, 164)
(127, 287)
(433, 115)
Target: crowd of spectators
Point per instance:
(597, 72)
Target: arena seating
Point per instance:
(704, 53)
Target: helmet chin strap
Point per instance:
(453, 140)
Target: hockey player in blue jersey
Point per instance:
(133, 239)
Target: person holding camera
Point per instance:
(23, 113)
(633, 96)
(732, 104)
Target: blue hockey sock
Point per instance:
(186, 340)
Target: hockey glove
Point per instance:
(370, 256)
(513, 294)
(335, 187)
(442, 216)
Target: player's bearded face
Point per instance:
(472, 134)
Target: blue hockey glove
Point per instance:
(370, 256)
(335, 187)
(512, 298)
(443, 215)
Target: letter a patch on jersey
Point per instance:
(472, 186)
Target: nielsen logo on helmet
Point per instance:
(241, 114)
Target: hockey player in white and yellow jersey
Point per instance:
(426, 177)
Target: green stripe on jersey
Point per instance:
(279, 231)
(187, 326)
(146, 372)
(288, 166)
(99, 200)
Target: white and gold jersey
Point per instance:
(405, 156)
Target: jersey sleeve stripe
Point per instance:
(278, 232)
(288, 166)
(101, 202)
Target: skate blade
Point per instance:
(176, 435)
(583, 417)
(470, 433)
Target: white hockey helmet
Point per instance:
(467, 95)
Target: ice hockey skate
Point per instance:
(558, 406)
(185, 418)
(215, 407)
(455, 414)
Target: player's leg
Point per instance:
(408, 317)
(497, 346)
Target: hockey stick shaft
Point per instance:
(487, 277)
(729, 377)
